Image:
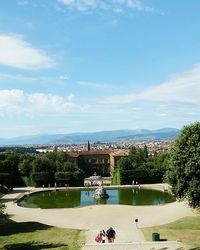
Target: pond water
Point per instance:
(77, 198)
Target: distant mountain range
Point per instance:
(102, 136)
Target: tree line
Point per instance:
(184, 169)
(180, 167)
(39, 170)
(141, 167)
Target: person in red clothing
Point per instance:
(98, 238)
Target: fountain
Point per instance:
(100, 193)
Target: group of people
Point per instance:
(109, 235)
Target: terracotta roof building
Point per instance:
(99, 162)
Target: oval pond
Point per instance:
(77, 198)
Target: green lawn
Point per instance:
(187, 230)
(35, 236)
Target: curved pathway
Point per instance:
(95, 218)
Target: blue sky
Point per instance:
(90, 65)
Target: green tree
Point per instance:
(184, 172)
(42, 171)
(11, 163)
(57, 159)
(160, 163)
(9, 173)
(68, 173)
(41, 178)
(126, 170)
(25, 166)
(142, 167)
(57, 156)
(42, 164)
(63, 177)
(6, 179)
(138, 157)
(2, 213)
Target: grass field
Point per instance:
(35, 236)
(187, 230)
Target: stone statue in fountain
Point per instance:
(100, 193)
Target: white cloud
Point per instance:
(64, 77)
(22, 3)
(71, 97)
(80, 5)
(11, 97)
(182, 88)
(117, 6)
(93, 84)
(16, 52)
(11, 77)
(136, 4)
(23, 78)
(17, 102)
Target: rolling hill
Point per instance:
(102, 136)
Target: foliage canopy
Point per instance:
(39, 170)
(184, 172)
(141, 167)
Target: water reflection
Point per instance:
(77, 198)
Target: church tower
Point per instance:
(88, 146)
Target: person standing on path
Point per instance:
(110, 233)
(103, 236)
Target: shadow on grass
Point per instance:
(167, 248)
(4, 200)
(195, 248)
(163, 248)
(21, 227)
(31, 246)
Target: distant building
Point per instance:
(99, 162)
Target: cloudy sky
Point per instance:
(90, 65)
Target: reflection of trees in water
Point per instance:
(87, 193)
(125, 196)
(55, 199)
(143, 197)
(74, 198)
(100, 201)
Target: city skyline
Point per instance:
(96, 65)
